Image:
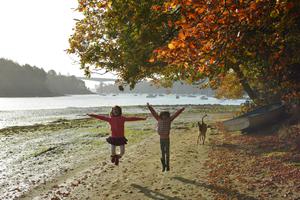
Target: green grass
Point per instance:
(275, 154)
(97, 132)
(43, 150)
(296, 164)
(135, 136)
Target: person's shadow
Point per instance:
(153, 194)
(218, 189)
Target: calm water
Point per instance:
(27, 111)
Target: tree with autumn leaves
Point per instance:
(254, 44)
(120, 36)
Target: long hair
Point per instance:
(119, 111)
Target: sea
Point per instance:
(37, 110)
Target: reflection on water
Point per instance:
(27, 111)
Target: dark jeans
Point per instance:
(165, 152)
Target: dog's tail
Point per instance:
(203, 118)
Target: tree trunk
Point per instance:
(245, 83)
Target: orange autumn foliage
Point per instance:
(253, 38)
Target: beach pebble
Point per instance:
(63, 192)
(175, 192)
(85, 177)
(55, 198)
(75, 183)
(16, 189)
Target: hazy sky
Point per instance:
(36, 32)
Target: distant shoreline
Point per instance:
(94, 100)
(127, 110)
(45, 96)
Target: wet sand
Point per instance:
(70, 160)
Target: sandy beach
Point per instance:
(69, 159)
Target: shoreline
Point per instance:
(123, 106)
(128, 110)
(47, 95)
(85, 101)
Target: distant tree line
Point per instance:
(147, 87)
(30, 81)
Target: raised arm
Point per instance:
(153, 112)
(135, 118)
(101, 117)
(177, 113)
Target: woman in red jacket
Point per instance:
(117, 138)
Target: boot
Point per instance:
(113, 158)
(163, 164)
(117, 157)
(168, 164)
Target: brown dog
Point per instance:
(202, 131)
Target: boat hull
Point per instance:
(255, 119)
(236, 124)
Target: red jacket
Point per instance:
(117, 123)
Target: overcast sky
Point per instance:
(36, 32)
